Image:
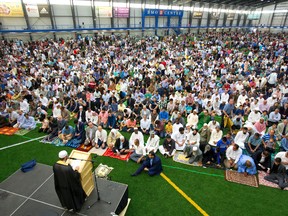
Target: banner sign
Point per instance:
(103, 11)
(121, 12)
(197, 15)
(32, 10)
(230, 16)
(43, 10)
(253, 16)
(158, 12)
(215, 15)
(11, 9)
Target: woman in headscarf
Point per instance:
(112, 137)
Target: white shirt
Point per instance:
(135, 136)
(180, 138)
(153, 143)
(240, 139)
(193, 139)
(254, 117)
(44, 101)
(24, 106)
(56, 112)
(145, 124)
(192, 119)
(283, 158)
(224, 97)
(101, 135)
(231, 154)
(13, 116)
(175, 128)
(88, 116)
(241, 99)
(215, 137)
(139, 149)
(213, 126)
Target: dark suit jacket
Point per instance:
(130, 102)
(79, 128)
(156, 167)
(125, 144)
(83, 116)
(257, 157)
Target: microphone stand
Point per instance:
(95, 182)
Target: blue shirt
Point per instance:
(242, 165)
(70, 130)
(164, 115)
(284, 144)
(266, 137)
(228, 108)
(223, 146)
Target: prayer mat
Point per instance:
(234, 176)
(84, 148)
(180, 157)
(110, 153)
(22, 132)
(262, 181)
(44, 140)
(98, 151)
(73, 143)
(57, 142)
(9, 131)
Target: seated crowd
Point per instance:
(219, 105)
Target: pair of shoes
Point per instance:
(134, 174)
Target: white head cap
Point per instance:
(62, 154)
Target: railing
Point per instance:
(68, 28)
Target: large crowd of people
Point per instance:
(221, 98)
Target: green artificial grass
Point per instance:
(153, 195)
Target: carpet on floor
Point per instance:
(180, 157)
(234, 176)
(110, 153)
(9, 131)
(98, 151)
(84, 148)
(22, 132)
(262, 181)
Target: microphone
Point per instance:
(72, 158)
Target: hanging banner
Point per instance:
(11, 9)
(197, 15)
(158, 12)
(32, 10)
(215, 15)
(121, 12)
(103, 11)
(43, 10)
(253, 16)
(230, 16)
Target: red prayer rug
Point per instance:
(110, 153)
(234, 176)
(8, 131)
(262, 181)
(84, 148)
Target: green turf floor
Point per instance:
(153, 195)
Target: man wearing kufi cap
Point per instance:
(67, 184)
(152, 142)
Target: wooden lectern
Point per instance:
(85, 169)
